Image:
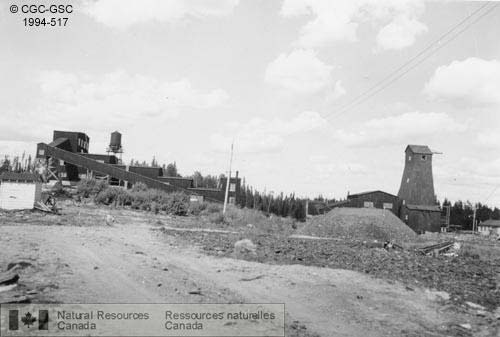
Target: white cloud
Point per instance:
(489, 138)
(411, 127)
(263, 136)
(109, 101)
(301, 71)
(122, 14)
(473, 80)
(339, 20)
(400, 33)
(325, 167)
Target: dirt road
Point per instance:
(132, 262)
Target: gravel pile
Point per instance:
(359, 224)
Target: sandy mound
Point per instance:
(359, 224)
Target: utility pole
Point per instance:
(228, 180)
(474, 219)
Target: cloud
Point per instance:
(339, 20)
(112, 100)
(400, 33)
(301, 72)
(473, 80)
(489, 138)
(264, 136)
(404, 128)
(325, 167)
(122, 14)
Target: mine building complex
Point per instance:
(68, 160)
(415, 203)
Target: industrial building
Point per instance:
(68, 160)
(415, 203)
(419, 208)
(373, 199)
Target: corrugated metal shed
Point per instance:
(19, 190)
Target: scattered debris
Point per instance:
(496, 313)
(48, 204)
(245, 247)
(18, 265)
(437, 295)
(8, 287)
(466, 326)
(475, 306)
(8, 277)
(436, 249)
(195, 292)
(252, 278)
(110, 220)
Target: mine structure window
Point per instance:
(232, 187)
(424, 157)
(387, 205)
(409, 158)
(368, 204)
(232, 200)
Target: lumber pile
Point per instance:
(436, 249)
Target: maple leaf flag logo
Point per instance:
(28, 319)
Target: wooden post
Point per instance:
(228, 180)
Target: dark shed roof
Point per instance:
(490, 223)
(25, 176)
(420, 149)
(369, 192)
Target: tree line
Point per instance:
(462, 213)
(285, 205)
(24, 163)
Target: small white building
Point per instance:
(489, 227)
(19, 190)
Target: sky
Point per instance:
(182, 80)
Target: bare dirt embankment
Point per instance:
(76, 257)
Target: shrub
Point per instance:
(113, 194)
(217, 218)
(196, 208)
(138, 187)
(155, 200)
(90, 187)
(213, 208)
(177, 203)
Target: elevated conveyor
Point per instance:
(106, 169)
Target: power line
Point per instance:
(429, 46)
(391, 79)
(492, 193)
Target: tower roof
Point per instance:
(420, 149)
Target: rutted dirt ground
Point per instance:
(132, 262)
